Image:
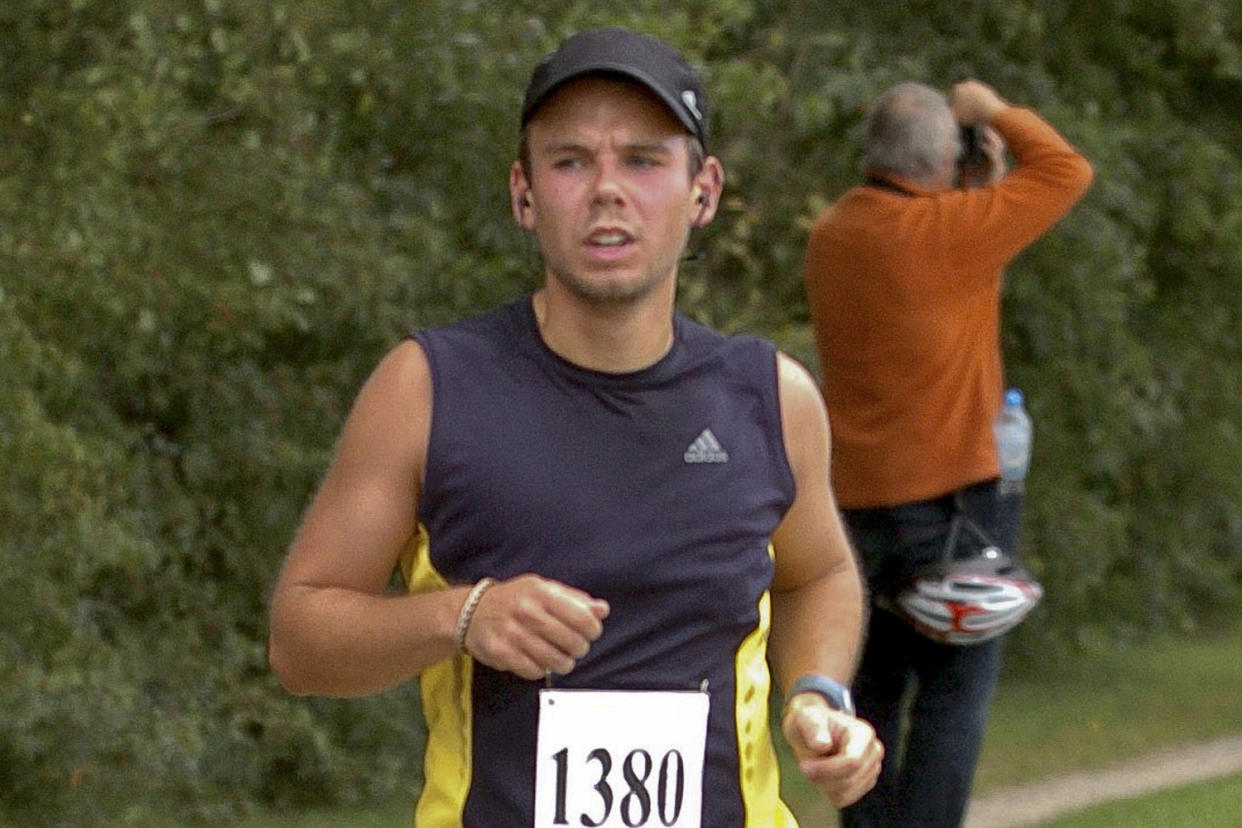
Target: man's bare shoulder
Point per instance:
(403, 372)
(804, 419)
(391, 417)
(797, 385)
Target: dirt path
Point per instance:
(1061, 794)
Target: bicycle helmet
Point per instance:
(968, 600)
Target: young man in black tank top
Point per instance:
(612, 177)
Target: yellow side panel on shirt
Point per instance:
(757, 763)
(445, 692)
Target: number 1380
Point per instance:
(635, 807)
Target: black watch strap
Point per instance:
(834, 692)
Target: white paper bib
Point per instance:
(620, 759)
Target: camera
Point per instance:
(972, 146)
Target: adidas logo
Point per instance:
(706, 449)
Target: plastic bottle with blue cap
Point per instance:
(1013, 443)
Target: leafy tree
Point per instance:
(216, 216)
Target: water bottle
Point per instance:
(1013, 443)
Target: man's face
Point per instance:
(610, 196)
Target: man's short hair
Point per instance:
(909, 132)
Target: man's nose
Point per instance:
(607, 186)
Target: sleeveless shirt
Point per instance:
(657, 491)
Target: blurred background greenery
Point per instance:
(215, 216)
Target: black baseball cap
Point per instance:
(642, 58)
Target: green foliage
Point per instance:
(215, 216)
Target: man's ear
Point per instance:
(706, 191)
(519, 197)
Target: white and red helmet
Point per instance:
(969, 600)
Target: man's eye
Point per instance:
(567, 163)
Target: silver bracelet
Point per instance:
(467, 612)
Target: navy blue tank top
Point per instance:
(656, 490)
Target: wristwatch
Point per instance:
(834, 692)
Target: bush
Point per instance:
(214, 219)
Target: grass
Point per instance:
(1113, 706)
(1214, 803)
(1101, 709)
(1098, 710)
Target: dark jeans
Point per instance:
(927, 701)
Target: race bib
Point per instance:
(619, 759)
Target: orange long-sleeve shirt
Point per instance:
(904, 293)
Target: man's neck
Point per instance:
(612, 338)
